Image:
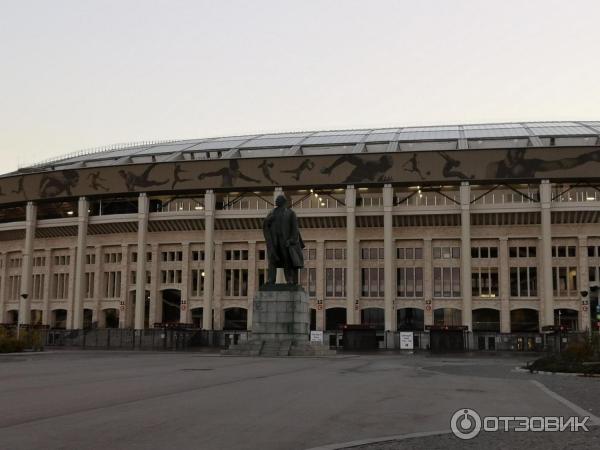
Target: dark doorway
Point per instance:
(236, 319)
(410, 319)
(335, 318)
(524, 320)
(36, 317)
(59, 319)
(111, 318)
(313, 319)
(171, 305)
(197, 317)
(360, 337)
(442, 341)
(12, 317)
(486, 319)
(373, 317)
(87, 318)
(448, 317)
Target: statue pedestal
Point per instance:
(281, 313)
(280, 325)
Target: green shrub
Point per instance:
(571, 359)
(28, 339)
(9, 343)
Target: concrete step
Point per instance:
(276, 348)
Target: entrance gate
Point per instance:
(444, 339)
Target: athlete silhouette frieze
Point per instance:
(266, 167)
(448, 169)
(177, 171)
(516, 165)
(96, 181)
(58, 184)
(229, 174)
(305, 165)
(363, 170)
(133, 181)
(413, 166)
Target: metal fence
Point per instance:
(167, 339)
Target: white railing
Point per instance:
(576, 195)
(500, 197)
(426, 199)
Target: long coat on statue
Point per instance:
(284, 243)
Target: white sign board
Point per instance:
(316, 336)
(406, 340)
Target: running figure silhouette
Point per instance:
(229, 174)
(414, 166)
(307, 164)
(20, 187)
(95, 181)
(451, 163)
(62, 182)
(515, 165)
(363, 170)
(132, 180)
(176, 176)
(266, 167)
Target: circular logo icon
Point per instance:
(465, 423)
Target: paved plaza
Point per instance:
(142, 400)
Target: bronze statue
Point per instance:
(284, 243)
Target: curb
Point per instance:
(398, 437)
(560, 374)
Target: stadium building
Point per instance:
(491, 227)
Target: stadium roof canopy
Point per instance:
(426, 138)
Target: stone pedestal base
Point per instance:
(280, 325)
(281, 314)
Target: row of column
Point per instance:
(546, 302)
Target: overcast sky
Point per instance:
(77, 74)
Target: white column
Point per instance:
(388, 258)
(140, 280)
(428, 281)
(185, 315)
(27, 264)
(71, 287)
(209, 229)
(97, 286)
(547, 303)
(251, 281)
(155, 297)
(46, 294)
(320, 263)
(504, 285)
(218, 286)
(79, 294)
(128, 318)
(584, 284)
(465, 255)
(3, 281)
(351, 314)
